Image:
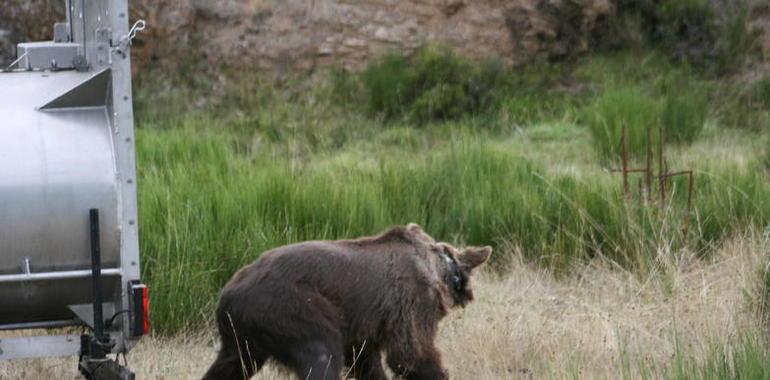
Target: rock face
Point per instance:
(289, 35)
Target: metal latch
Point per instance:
(122, 47)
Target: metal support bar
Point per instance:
(59, 275)
(96, 267)
(40, 325)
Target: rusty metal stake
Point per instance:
(648, 166)
(624, 161)
(661, 171)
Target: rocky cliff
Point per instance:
(289, 35)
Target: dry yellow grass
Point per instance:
(527, 324)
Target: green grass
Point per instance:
(264, 165)
(207, 207)
(618, 108)
(745, 357)
(675, 102)
(748, 359)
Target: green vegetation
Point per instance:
(749, 359)
(207, 209)
(218, 187)
(475, 152)
(621, 108)
(745, 357)
(681, 114)
(715, 38)
(436, 84)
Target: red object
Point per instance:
(140, 310)
(145, 310)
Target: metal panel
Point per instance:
(65, 148)
(39, 346)
(91, 93)
(54, 167)
(44, 346)
(48, 300)
(47, 55)
(92, 25)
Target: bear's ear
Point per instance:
(472, 257)
(419, 233)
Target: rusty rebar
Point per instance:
(624, 161)
(648, 166)
(661, 171)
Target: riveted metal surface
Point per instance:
(67, 146)
(54, 166)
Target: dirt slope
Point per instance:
(284, 35)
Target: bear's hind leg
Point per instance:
(229, 366)
(316, 360)
(234, 364)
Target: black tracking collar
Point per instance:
(453, 275)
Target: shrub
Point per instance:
(389, 83)
(715, 38)
(618, 107)
(687, 29)
(680, 108)
(736, 40)
(767, 154)
(683, 116)
(442, 101)
(344, 87)
(435, 84)
(685, 107)
(743, 105)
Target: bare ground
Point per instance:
(600, 322)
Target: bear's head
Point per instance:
(455, 267)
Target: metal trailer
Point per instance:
(69, 252)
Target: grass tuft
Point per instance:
(620, 107)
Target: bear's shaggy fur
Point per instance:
(319, 305)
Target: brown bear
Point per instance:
(319, 305)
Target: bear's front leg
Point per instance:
(422, 367)
(366, 364)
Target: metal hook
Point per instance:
(138, 26)
(125, 41)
